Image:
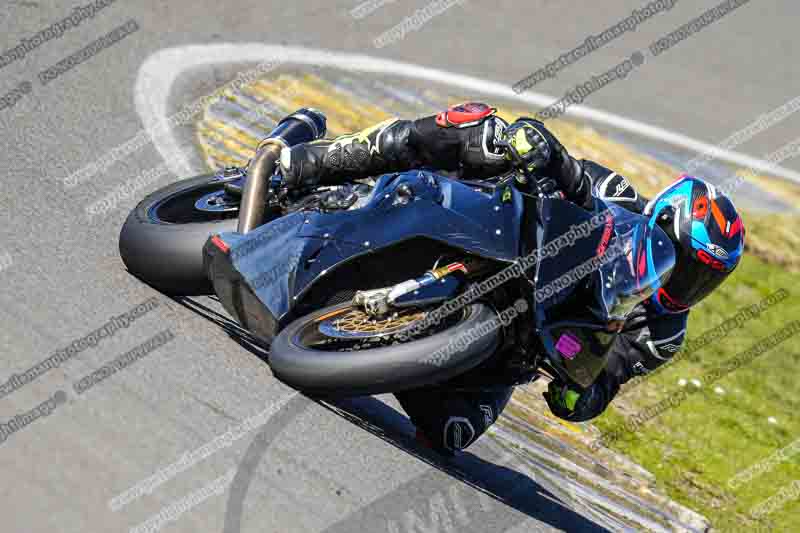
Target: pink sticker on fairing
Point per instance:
(569, 346)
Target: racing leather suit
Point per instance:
(452, 420)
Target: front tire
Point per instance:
(162, 239)
(385, 369)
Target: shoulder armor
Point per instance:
(616, 188)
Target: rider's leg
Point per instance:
(453, 420)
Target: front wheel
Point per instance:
(340, 351)
(162, 240)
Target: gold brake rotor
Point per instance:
(355, 322)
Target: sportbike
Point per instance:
(405, 280)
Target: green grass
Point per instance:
(695, 448)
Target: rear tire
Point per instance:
(385, 369)
(162, 239)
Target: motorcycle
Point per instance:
(412, 279)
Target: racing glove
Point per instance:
(548, 157)
(572, 403)
(526, 145)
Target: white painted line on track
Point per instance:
(160, 70)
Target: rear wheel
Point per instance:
(340, 351)
(162, 240)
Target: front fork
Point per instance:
(433, 287)
(519, 364)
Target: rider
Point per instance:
(471, 140)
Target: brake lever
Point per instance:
(521, 177)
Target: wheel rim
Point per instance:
(355, 323)
(351, 329)
(180, 208)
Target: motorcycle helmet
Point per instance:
(708, 235)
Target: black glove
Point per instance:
(570, 402)
(528, 144)
(562, 167)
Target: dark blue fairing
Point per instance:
(619, 263)
(282, 260)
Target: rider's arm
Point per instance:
(612, 187)
(580, 180)
(636, 352)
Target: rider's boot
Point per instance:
(381, 148)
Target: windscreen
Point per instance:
(640, 260)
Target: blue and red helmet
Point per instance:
(708, 235)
